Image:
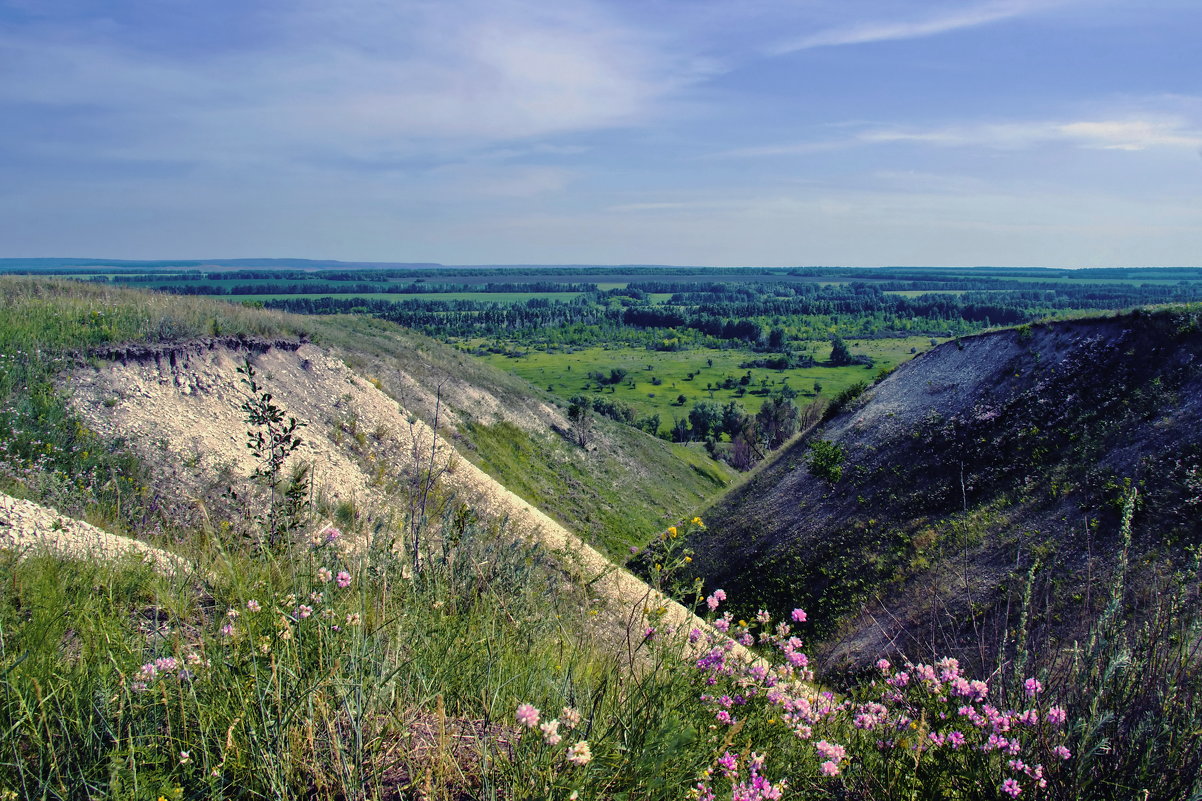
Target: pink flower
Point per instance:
(1011, 788)
(253, 606)
(1033, 687)
(1057, 715)
(303, 611)
(324, 574)
(331, 534)
(829, 768)
(580, 754)
(883, 665)
(799, 616)
(1062, 752)
(227, 630)
(550, 731)
(527, 715)
(711, 602)
(570, 717)
(344, 579)
(832, 751)
(720, 595)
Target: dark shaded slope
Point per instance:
(969, 468)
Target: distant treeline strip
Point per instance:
(311, 288)
(740, 315)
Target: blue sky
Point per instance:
(763, 132)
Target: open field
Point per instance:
(566, 373)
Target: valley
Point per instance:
(541, 502)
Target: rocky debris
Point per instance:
(26, 527)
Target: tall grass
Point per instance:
(322, 675)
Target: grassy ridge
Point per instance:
(46, 453)
(616, 495)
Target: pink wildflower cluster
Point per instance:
(166, 667)
(756, 787)
(326, 536)
(569, 718)
(716, 598)
(956, 714)
(913, 709)
(325, 576)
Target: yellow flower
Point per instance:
(697, 521)
(671, 531)
(688, 559)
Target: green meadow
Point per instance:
(655, 380)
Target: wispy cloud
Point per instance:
(1131, 134)
(862, 32)
(363, 78)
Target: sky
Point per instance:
(1060, 133)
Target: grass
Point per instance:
(278, 682)
(566, 373)
(615, 499)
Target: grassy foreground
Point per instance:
(314, 674)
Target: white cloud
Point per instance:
(1130, 134)
(363, 77)
(1142, 131)
(952, 19)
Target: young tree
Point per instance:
(840, 355)
(706, 418)
(580, 415)
(271, 440)
(734, 417)
(777, 420)
(680, 430)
